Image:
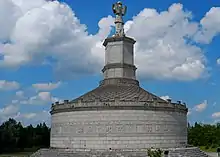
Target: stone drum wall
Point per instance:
(118, 129)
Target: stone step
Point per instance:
(193, 152)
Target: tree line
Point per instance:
(206, 135)
(15, 137)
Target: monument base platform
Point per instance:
(175, 152)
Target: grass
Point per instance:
(208, 150)
(25, 153)
(21, 154)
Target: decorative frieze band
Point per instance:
(80, 129)
(118, 65)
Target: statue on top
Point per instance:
(119, 10)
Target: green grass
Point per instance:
(25, 153)
(208, 150)
(21, 154)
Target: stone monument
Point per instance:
(118, 118)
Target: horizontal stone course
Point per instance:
(132, 129)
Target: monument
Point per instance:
(118, 117)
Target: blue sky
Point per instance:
(52, 51)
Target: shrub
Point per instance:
(206, 147)
(154, 152)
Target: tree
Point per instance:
(15, 137)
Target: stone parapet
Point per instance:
(118, 105)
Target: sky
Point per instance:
(52, 51)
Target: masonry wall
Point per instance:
(119, 73)
(118, 129)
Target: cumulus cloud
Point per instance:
(209, 26)
(201, 107)
(12, 111)
(214, 104)
(1, 48)
(48, 31)
(9, 85)
(189, 112)
(8, 111)
(20, 94)
(218, 61)
(216, 115)
(42, 98)
(163, 50)
(7, 24)
(46, 86)
(33, 118)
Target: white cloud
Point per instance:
(7, 24)
(216, 121)
(1, 48)
(214, 104)
(216, 115)
(165, 97)
(8, 111)
(163, 48)
(209, 26)
(213, 83)
(201, 107)
(8, 85)
(189, 112)
(19, 94)
(218, 61)
(29, 115)
(42, 98)
(33, 118)
(50, 32)
(46, 86)
(15, 101)
(12, 111)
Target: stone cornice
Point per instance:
(115, 39)
(94, 106)
(118, 81)
(118, 65)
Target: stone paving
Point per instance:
(212, 154)
(181, 152)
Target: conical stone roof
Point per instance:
(123, 90)
(117, 94)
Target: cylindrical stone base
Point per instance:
(118, 129)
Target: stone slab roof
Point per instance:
(118, 93)
(111, 92)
